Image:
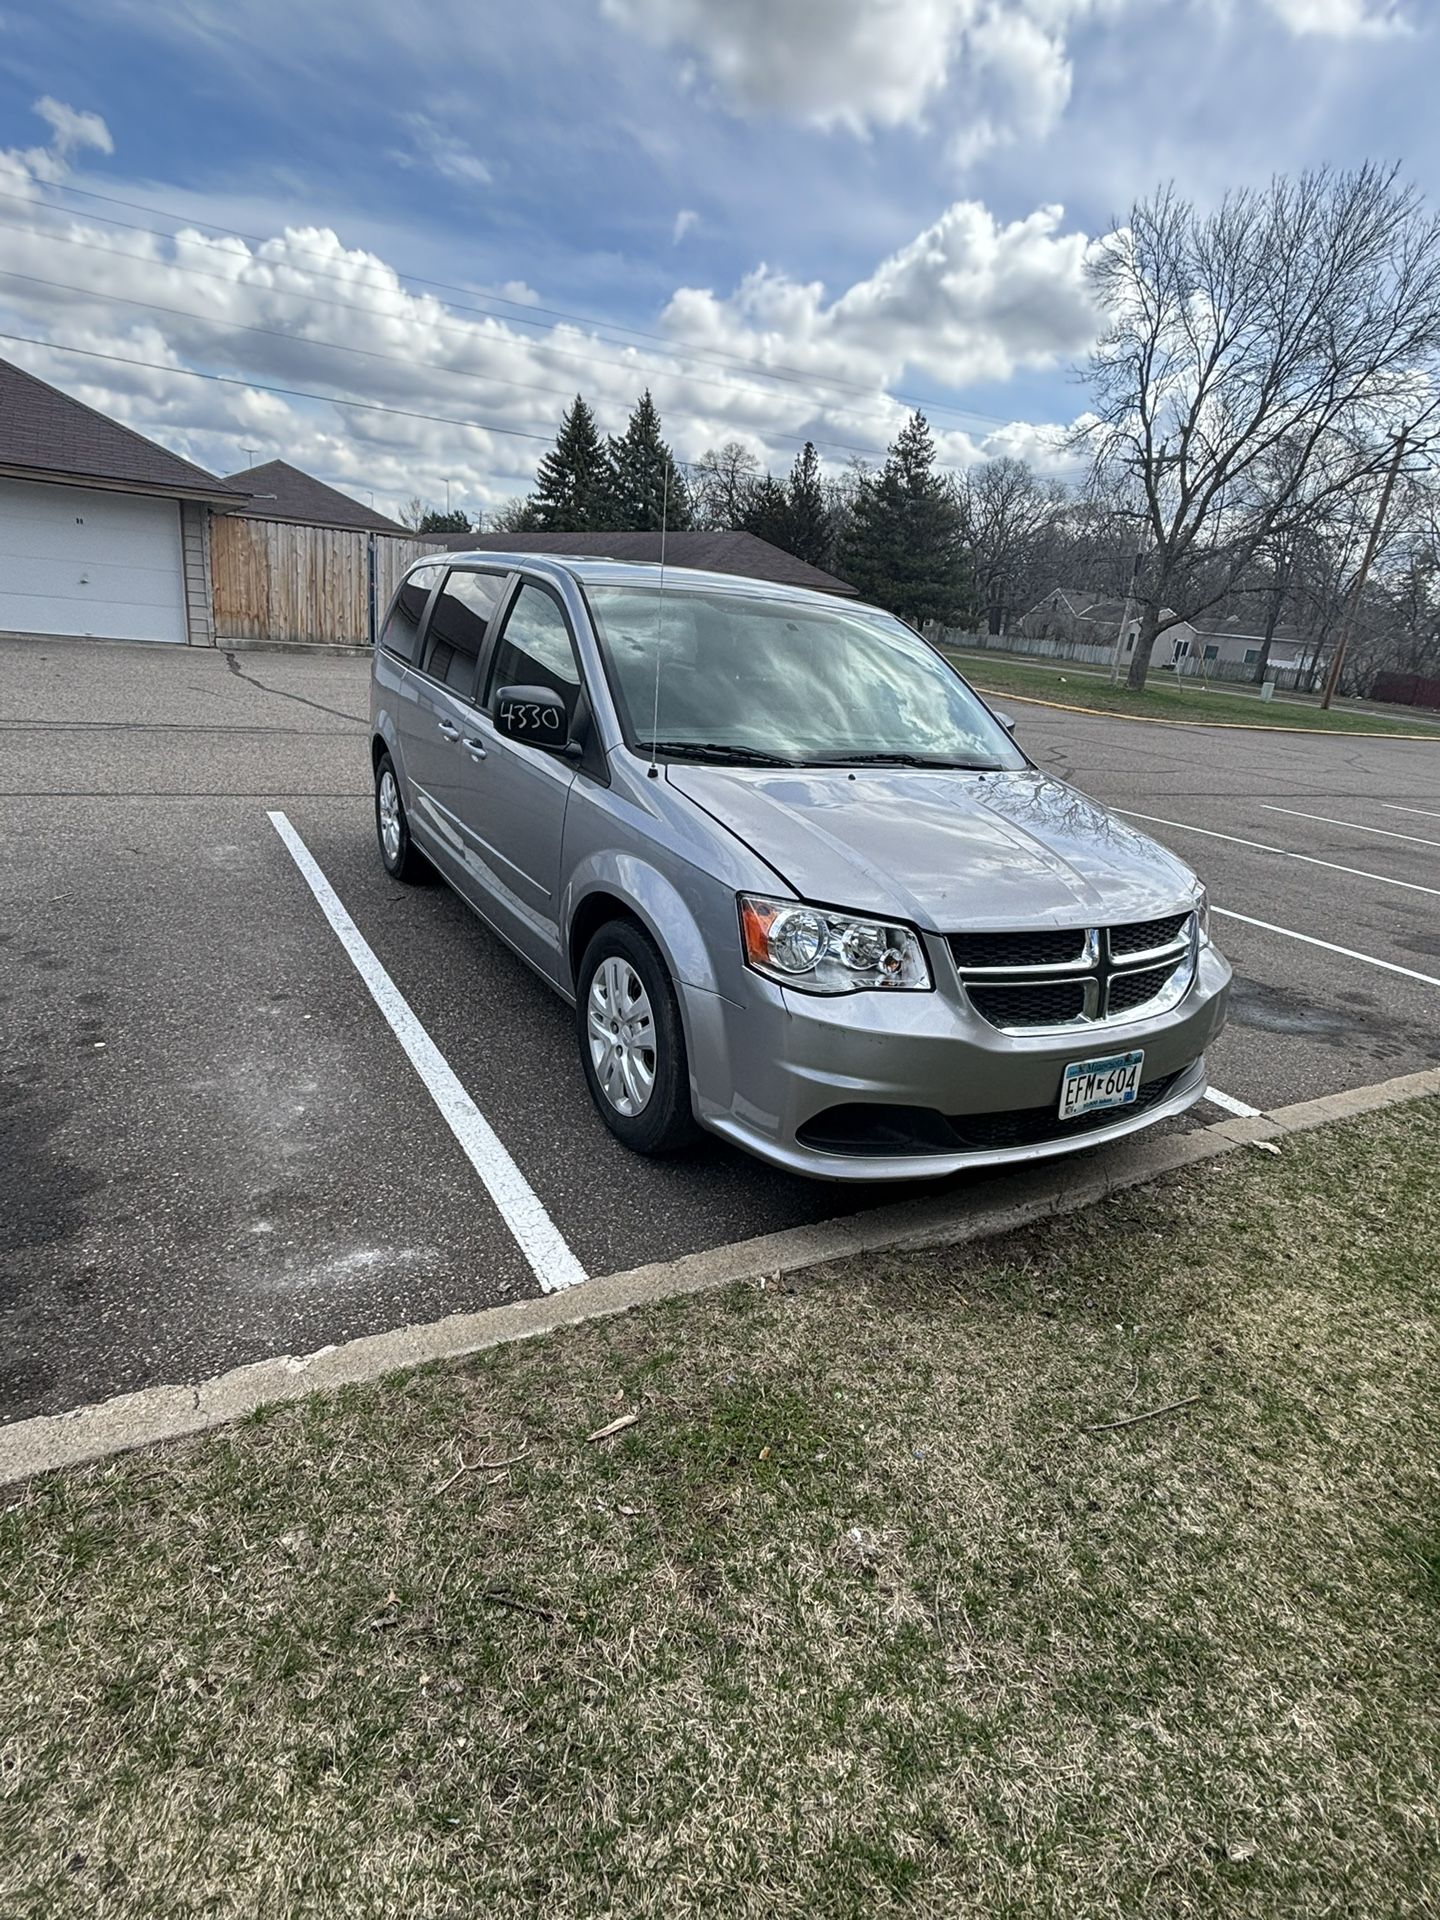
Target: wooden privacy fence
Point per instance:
(277, 581)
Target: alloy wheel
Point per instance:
(620, 1026)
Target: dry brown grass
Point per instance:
(858, 1619)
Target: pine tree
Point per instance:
(571, 484)
(902, 548)
(809, 536)
(646, 488)
(767, 513)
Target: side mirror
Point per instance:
(535, 716)
(1007, 720)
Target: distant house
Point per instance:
(1238, 641)
(1233, 641)
(1089, 619)
(282, 492)
(103, 534)
(739, 553)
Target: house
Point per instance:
(102, 532)
(721, 552)
(281, 492)
(1238, 641)
(1079, 617)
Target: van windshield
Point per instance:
(776, 682)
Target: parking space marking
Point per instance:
(1329, 820)
(1388, 966)
(1227, 1103)
(1260, 846)
(539, 1239)
(1395, 807)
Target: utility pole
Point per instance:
(1115, 658)
(1332, 679)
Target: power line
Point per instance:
(296, 393)
(807, 380)
(370, 353)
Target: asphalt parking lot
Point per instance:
(215, 1148)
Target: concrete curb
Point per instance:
(981, 1212)
(1217, 726)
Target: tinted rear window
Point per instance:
(459, 619)
(404, 622)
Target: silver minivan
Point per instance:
(800, 884)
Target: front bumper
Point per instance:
(763, 1072)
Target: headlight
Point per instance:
(1202, 917)
(823, 952)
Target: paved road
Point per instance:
(215, 1149)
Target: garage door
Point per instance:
(77, 561)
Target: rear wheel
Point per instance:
(632, 1045)
(398, 855)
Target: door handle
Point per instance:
(450, 731)
(476, 746)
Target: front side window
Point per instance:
(535, 651)
(787, 682)
(403, 625)
(459, 619)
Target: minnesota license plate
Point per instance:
(1090, 1085)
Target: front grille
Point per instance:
(876, 1131)
(1043, 948)
(1144, 936)
(1131, 990)
(1028, 980)
(1038, 1003)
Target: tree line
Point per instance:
(1264, 402)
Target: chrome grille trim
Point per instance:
(1097, 967)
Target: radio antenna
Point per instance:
(653, 769)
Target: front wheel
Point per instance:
(632, 1045)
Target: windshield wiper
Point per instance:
(907, 760)
(715, 751)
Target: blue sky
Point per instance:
(875, 201)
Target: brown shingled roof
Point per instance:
(283, 492)
(720, 552)
(47, 435)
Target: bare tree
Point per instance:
(1256, 366)
(722, 483)
(1004, 509)
(412, 513)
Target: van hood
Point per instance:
(947, 851)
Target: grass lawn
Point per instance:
(878, 1608)
(1165, 698)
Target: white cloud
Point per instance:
(443, 152)
(519, 294)
(685, 219)
(968, 299)
(71, 128)
(863, 64)
(1342, 19)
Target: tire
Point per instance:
(642, 1092)
(400, 858)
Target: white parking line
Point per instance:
(1260, 846)
(1389, 966)
(540, 1240)
(1329, 820)
(1396, 808)
(1227, 1103)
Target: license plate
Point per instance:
(1090, 1085)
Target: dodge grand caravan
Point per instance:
(799, 882)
